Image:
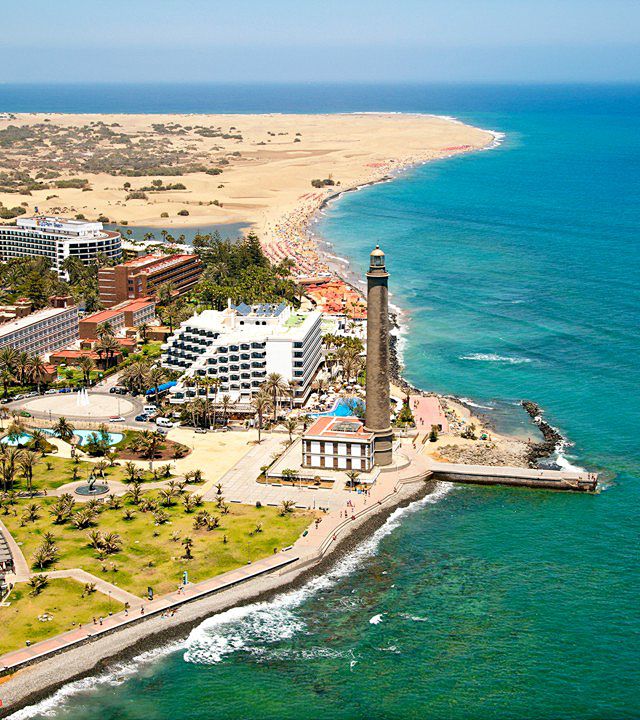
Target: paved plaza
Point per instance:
(93, 406)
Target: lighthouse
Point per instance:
(378, 410)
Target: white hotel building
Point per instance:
(58, 239)
(241, 346)
(41, 332)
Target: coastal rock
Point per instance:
(513, 453)
(552, 438)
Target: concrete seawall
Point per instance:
(515, 476)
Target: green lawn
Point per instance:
(61, 473)
(62, 599)
(149, 555)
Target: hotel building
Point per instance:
(128, 314)
(41, 332)
(143, 276)
(58, 239)
(241, 346)
(338, 443)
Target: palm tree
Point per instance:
(206, 383)
(16, 429)
(261, 403)
(63, 429)
(353, 476)
(187, 543)
(28, 461)
(21, 365)
(36, 370)
(149, 443)
(156, 378)
(134, 494)
(226, 404)
(86, 365)
(277, 386)
(9, 459)
(7, 378)
(143, 328)
(133, 473)
(104, 329)
(108, 346)
(215, 384)
(136, 375)
(38, 441)
(291, 424)
(8, 357)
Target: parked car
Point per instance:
(119, 390)
(116, 418)
(201, 431)
(65, 390)
(164, 422)
(51, 391)
(142, 417)
(150, 409)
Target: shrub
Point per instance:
(72, 183)
(184, 213)
(136, 195)
(164, 215)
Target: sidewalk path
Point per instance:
(103, 586)
(21, 566)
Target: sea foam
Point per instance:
(116, 675)
(250, 627)
(493, 357)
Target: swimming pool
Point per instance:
(114, 438)
(21, 439)
(83, 436)
(340, 409)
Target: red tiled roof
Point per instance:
(328, 426)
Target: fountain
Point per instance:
(82, 398)
(92, 488)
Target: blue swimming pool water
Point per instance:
(340, 409)
(23, 439)
(114, 438)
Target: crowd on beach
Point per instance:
(290, 237)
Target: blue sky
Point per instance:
(320, 40)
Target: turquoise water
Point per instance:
(21, 439)
(83, 435)
(518, 273)
(340, 409)
(114, 438)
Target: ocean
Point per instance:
(517, 274)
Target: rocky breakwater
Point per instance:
(552, 438)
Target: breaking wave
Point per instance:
(492, 357)
(116, 675)
(253, 626)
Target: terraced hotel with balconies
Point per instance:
(241, 346)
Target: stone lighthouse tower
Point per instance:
(378, 413)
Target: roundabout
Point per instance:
(87, 406)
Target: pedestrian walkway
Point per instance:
(102, 586)
(21, 572)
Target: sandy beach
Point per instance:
(251, 169)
